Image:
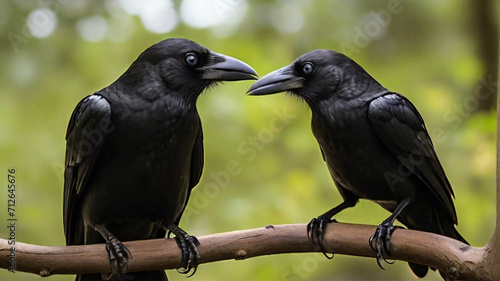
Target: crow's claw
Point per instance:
(188, 245)
(118, 258)
(316, 228)
(380, 241)
(190, 255)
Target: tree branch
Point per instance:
(440, 252)
(492, 249)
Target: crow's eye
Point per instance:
(307, 68)
(191, 59)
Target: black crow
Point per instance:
(375, 145)
(134, 151)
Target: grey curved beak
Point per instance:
(280, 80)
(227, 68)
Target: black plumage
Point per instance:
(135, 150)
(375, 145)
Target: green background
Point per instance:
(429, 51)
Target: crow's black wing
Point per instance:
(87, 130)
(197, 159)
(399, 125)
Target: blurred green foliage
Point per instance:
(425, 50)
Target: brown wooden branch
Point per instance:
(491, 259)
(443, 253)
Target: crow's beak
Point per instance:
(227, 68)
(280, 80)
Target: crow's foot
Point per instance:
(380, 241)
(316, 230)
(188, 245)
(118, 258)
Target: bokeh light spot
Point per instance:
(41, 22)
(92, 29)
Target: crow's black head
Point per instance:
(315, 76)
(183, 66)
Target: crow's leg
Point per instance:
(117, 252)
(380, 241)
(188, 245)
(316, 227)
